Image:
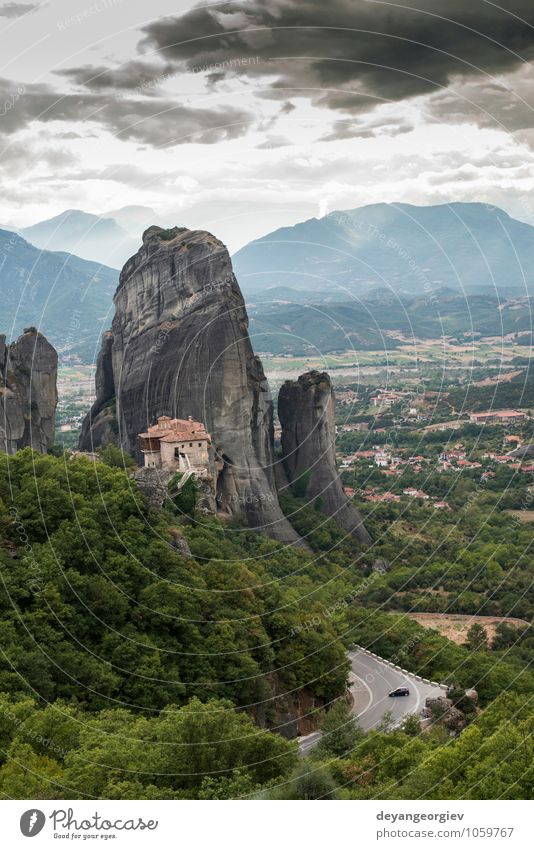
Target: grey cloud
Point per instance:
(287, 107)
(215, 77)
(129, 76)
(16, 10)
(369, 48)
(170, 124)
(158, 123)
(18, 159)
(367, 129)
(273, 142)
(461, 177)
(507, 103)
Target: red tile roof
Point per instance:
(176, 430)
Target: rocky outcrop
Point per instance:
(153, 483)
(290, 714)
(155, 486)
(306, 413)
(179, 346)
(442, 710)
(525, 452)
(100, 426)
(179, 543)
(28, 393)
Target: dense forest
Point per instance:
(132, 668)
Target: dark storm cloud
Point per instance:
(508, 105)
(157, 123)
(16, 10)
(370, 48)
(128, 77)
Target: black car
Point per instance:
(400, 691)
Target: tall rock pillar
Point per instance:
(179, 347)
(306, 413)
(28, 393)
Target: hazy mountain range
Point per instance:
(351, 279)
(469, 247)
(67, 298)
(110, 238)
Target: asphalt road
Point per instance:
(371, 681)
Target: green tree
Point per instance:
(116, 457)
(477, 639)
(310, 781)
(411, 725)
(340, 730)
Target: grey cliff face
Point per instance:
(28, 393)
(306, 413)
(179, 346)
(100, 425)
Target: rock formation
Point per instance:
(179, 346)
(306, 413)
(525, 452)
(28, 393)
(442, 710)
(100, 426)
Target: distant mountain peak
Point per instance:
(86, 235)
(67, 297)
(416, 249)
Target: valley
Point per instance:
(493, 360)
(375, 497)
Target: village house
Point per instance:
(416, 493)
(504, 458)
(386, 399)
(382, 459)
(379, 497)
(468, 464)
(363, 455)
(512, 439)
(497, 417)
(455, 455)
(182, 445)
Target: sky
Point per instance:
(243, 116)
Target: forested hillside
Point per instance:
(131, 670)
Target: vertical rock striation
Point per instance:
(306, 413)
(179, 346)
(28, 393)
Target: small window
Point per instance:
(190, 444)
(200, 444)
